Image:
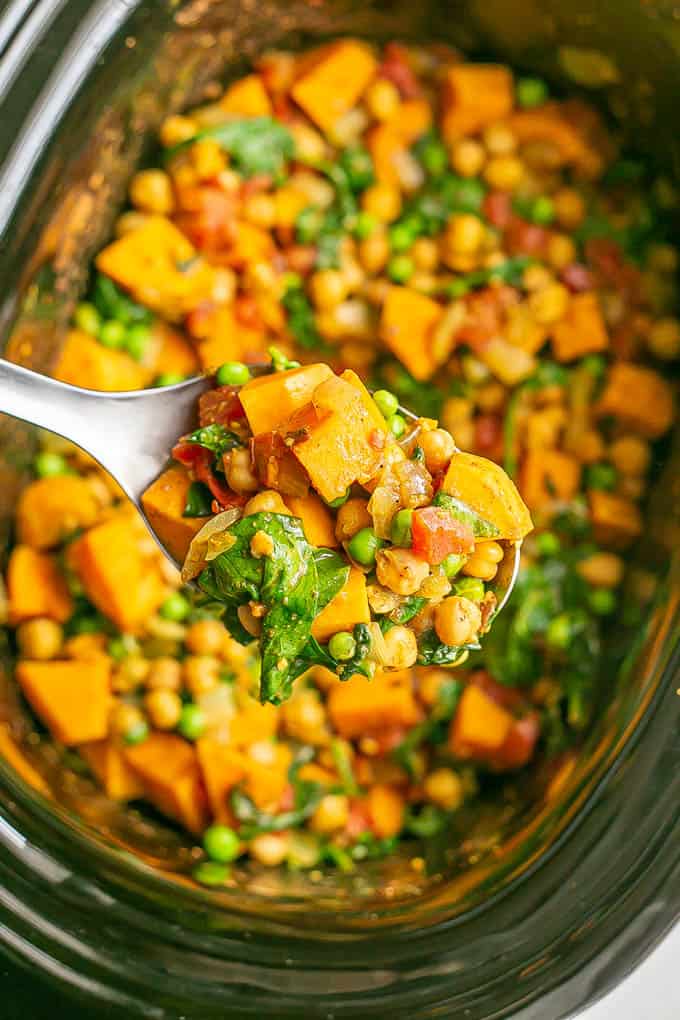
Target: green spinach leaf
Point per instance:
(216, 438)
(257, 145)
(199, 501)
(466, 515)
(433, 652)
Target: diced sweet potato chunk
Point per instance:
(168, 769)
(490, 492)
(71, 698)
(480, 726)
(339, 437)
(223, 767)
(13, 753)
(349, 607)
(332, 84)
(247, 97)
(51, 509)
(582, 330)
(359, 707)
(269, 400)
(408, 319)
(317, 521)
(548, 475)
(85, 362)
(170, 353)
(158, 265)
(639, 398)
(386, 810)
(35, 587)
(119, 579)
(221, 337)
(617, 521)
(557, 124)
(108, 762)
(474, 95)
(164, 503)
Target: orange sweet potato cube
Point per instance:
(582, 330)
(167, 766)
(108, 763)
(617, 521)
(164, 503)
(247, 97)
(480, 726)
(72, 698)
(317, 520)
(473, 96)
(358, 706)
(349, 607)
(51, 509)
(35, 587)
(269, 400)
(333, 80)
(85, 362)
(638, 397)
(406, 325)
(547, 475)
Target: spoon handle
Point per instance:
(129, 433)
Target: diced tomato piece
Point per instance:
(436, 534)
(489, 435)
(520, 743)
(188, 453)
(577, 277)
(609, 260)
(397, 69)
(485, 314)
(208, 217)
(247, 312)
(301, 258)
(497, 207)
(509, 697)
(220, 407)
(358, 821)
(524, 238)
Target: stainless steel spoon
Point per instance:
(131, 434)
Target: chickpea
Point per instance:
(374, 251)
(304, 718)
(125, 718)
(590, 447)
(457, 620)
(425, 254)
(382, 99)
(468, 157)
(207, 159)
(484, 561)
(130, 674)
(504, 172)
(260, 209)
(269, 848)
(177, 129)
(664, 339)
(151, 191)
(352, 517)
(549, 305)
(382, 201)
(402, 647)
(491, 397)
(537, 278)
(328, 288)
(201, 674)
(240, 474)
(630, 455)
(205, 637)
(331, 814)
(400, 570)
(310, 146)
(499, 140)
(561, 251)
(164, 708)
(465, 234)
(164, 674)
(430, 681)
(266, 502)
(570, 208)
(602, 570)
(40, 638)
(438, 447)
(444, 788)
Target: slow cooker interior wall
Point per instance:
(156, 63)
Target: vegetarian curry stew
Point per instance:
(389, 228)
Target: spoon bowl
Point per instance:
(131, 433)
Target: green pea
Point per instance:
(168, 379)
(232, 373)
(400, 268)
(365, 225)
(400, 237)
(453, 564)
(137, 734)
(309, 225)
(558, 634)
(531, 92)
(434, 157)
(191, 722)
(542, 210)
(600, 476)
(49, 465)
(176, 607)
(363, 546)
(342, 646)
(400, 532)
(211, 873)
(120, 647)
(386, 401)
(339, 501)
(602, 601)
(112, 334)
(397, 425)
(595, 364)
(221, 844)
(457, 288)
(548, 544)
(136, 340)
(470, 588)
(87, 318)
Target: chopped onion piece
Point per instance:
(205, 540)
